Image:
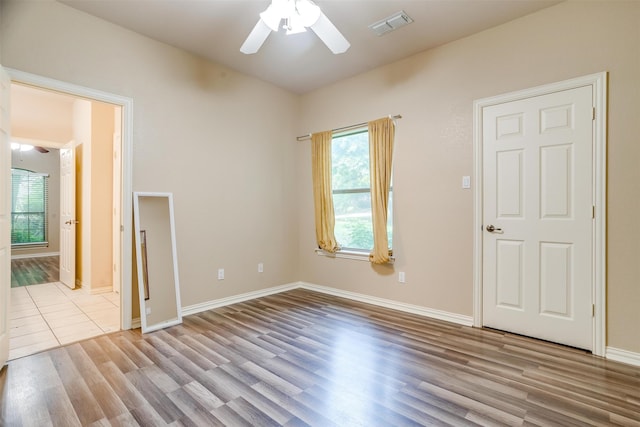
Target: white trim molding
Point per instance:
(394, 305)
(624, 356)
(234, 299)
(346, 254)
(381, 302)
(40, 255)
(598, 82)
(136, 323)
(101, 290)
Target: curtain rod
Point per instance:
(342, 129)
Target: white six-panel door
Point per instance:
(68, 216)
(537, 217)
(5, 216)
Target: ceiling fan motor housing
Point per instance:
(298, 15)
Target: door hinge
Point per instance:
(593, 310)
(593, 113)
(593, 212)
(122, 228)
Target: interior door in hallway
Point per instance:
(538, 217)
(68, 216)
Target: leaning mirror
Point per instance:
(156, 261)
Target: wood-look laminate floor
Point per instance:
(35, 271)
(304, 358)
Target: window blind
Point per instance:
(29, 208)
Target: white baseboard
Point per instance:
(624, 356)
(204, 306)
(381, 302)
(209, 305)
(101, 290)
(40, 255)
(136, 323)
(395, 305)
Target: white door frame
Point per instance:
(598, 82)
(127, 170)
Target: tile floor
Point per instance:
(49, 315)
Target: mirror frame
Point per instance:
(141, 262)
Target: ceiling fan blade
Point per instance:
(330, 35)
(256, 38)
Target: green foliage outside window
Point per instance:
(28, 207)
(351, 191)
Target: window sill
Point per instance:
(33, 245)
(346, 254)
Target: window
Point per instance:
(29, 199)
(351, 191)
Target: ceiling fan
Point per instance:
(28, 147)
(298, 16)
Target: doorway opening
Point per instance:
(97, 298)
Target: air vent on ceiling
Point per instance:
(390, 23)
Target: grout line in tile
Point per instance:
(45, 292)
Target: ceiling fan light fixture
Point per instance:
(299, 15)
(21, 147)
(281, 7)
(295, 24)
(271, 17)
(309, 12)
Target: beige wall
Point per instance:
(101, 204)
(224, 144)
(219, 140)
(434, 91)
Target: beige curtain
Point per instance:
(322, 193)
(381, 135)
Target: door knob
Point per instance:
(71, 221)
(491, 229)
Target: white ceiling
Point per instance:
(215, 29)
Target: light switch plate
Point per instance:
(466, 181)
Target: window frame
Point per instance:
(45, 211)
(360, 254)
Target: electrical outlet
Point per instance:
(148, 311)
(221, 274)
(401, 277)
(260, 267)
